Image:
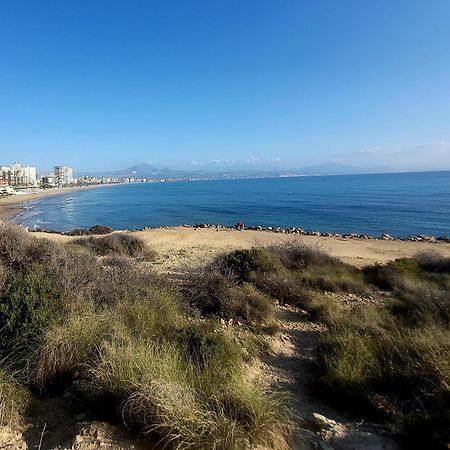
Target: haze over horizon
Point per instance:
(226, 85)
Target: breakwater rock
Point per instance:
(101, 229)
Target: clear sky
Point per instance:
(105, 83)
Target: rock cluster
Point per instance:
(98, 229)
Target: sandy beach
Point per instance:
(10, 206)
(178, 246)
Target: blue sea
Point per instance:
(399, 204)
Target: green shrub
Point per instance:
(296, 256)
(30, 303)
(190, 407)
(117, 244)
(423, 274)
(216, 295)
(243, 263)
(368, 354)
(285, 286)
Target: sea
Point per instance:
(400, 204)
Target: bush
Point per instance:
(30, 303)
(424, 274)
(367, 355)
(117, 244)
(112, 327)
(188, 406)
(290, 272)
(216, 295)
(243, 263)
(297, 256)
(100, 229)
(183, 384)
(285, 286)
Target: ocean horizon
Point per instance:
(400, 204)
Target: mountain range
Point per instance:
(145, 170)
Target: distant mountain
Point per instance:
(142, 170)
(145, 170)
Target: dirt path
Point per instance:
(291, 366)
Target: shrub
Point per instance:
(117, 244)
(67, 348)
(285, 286)
(368, 355)
(30, 303)
(341, 278)
(323, 309)
(166, 394)
(243, 263)
(432, 262)
(295, 255)
(424, 274)
(114, 328)
(100, 229)
(214, 294)
(96, 229)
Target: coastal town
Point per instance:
(19, 179)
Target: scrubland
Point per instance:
(92, 316)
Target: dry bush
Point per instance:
(183, 381)
(214, 294)
(124, 333)
(284, 286)
(188, 406)
(295, 255)
(118, 244)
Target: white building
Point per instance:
(5, 174)
(63, 176)
(20, 176)
(48, 180)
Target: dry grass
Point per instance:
(393, 360)
(124, 332)
(14, 397)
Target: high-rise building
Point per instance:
(20, 176)
(63, 175)
(5, 174)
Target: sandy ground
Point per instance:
(10, 206)
(179, 245)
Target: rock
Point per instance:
(386, 237)
(329, 428)
(11, 439)
(95, 435)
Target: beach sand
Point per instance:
(178, 246)
(11, 206)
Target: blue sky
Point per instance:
(105, 84)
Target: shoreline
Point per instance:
(180, 246)
(292, 231)
(12, 206)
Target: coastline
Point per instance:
(179, 246)
(12, 206)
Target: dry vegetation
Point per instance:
(110, 328)
(91, 317)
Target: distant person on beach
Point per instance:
(239, 226)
